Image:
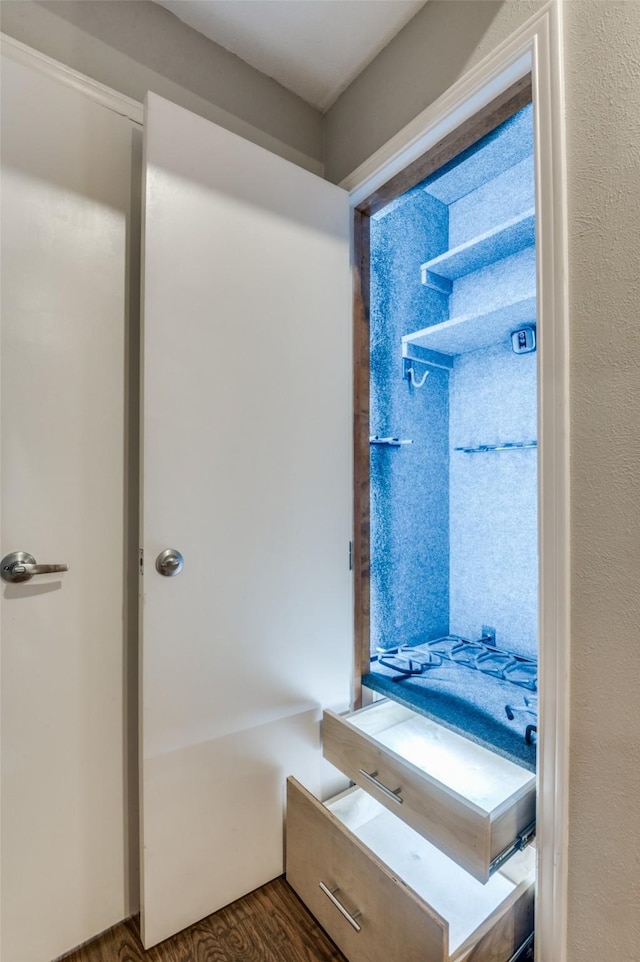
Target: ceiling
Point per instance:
(313, 47)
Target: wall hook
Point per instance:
(409, 373)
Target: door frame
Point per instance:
(535, 49)
(463, 137)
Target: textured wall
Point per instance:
(493, 496)
(493, 502)
(434, 50)
(409, 484)
(134, 46)
(603, 127)
(427, 580)
(497, 201)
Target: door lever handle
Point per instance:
(21, 566)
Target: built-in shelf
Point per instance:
(470, 332)
(502, 241)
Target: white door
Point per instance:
(247, 473)
(66, 208)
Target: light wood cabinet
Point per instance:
(426, 858)
(386, 894)
(473, 804)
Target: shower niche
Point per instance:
(453, 446)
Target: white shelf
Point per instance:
(470, 332)
(502, 241)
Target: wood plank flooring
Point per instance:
(268, 925)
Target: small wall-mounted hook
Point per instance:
(408, 372)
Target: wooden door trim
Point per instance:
(361, 514)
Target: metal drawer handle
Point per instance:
(21, 566)
(351, 919)
(393, 794)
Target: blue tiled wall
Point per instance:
(409, 484)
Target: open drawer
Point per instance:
(386, 894)
(476, 806)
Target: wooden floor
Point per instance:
(269, 925)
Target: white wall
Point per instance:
(135, 45)
(436, 47)
(603, 128)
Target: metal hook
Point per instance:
(412, 378)
(409, 373)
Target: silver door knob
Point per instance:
(169, 563)
(21, 566)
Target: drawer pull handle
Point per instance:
(393, 794)
(351, 918)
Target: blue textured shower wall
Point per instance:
(409, 484)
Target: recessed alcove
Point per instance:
(454, 565)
